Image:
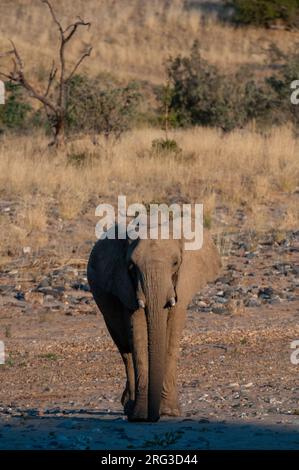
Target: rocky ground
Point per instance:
(62, 379)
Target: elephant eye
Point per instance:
(175, 263)
(131, 267)
(132, 271)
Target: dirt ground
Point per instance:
(62, 380)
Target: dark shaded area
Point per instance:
(87, 429)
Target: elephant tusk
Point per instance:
(141, 303)
(172, 301)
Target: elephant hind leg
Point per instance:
(118, 325)
(128, 396)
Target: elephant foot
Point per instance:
(138, 413)
(129, 407)
(170, 409)
(125, 397)
(127, 402)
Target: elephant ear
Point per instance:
(108, 272)
(197, 269)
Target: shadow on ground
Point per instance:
(84, 429)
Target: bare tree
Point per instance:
(55, 104)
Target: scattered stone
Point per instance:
(44, 283)
(220, 300)
(20, 295)
(249, 385)
(234, 385)
(71, 270)
(72, 300)
(252, 302)
(81, 286)
(250, 254)
(266, 293)
(53, 291)
(274, 401)
(201, 304)
(275, 299)
(53, 304)
(220, 311)
(5, 289)
(13, 272)
(225, 279)
(229, 292)
(295, 270)
(220, 293)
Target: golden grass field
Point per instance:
(243, 169)
(133, 38)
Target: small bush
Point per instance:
(207, 221)
(165, 146)
(78, 159)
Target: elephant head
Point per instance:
(157, 276)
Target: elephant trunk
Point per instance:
(157, 323)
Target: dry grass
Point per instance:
(133, 40)
(50, 198)
(241, 169)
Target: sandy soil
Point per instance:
(63, 378)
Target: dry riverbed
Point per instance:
(62, 380)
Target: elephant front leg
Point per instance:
(169, 402)
(140, 359)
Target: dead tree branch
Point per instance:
(55, 106)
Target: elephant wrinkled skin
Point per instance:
(143, 288)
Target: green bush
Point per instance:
(279, 85)
(14, 113)
(193, 89)
(266, 12)
(101, 106)
(201, 95)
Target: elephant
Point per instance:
(143, 288)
